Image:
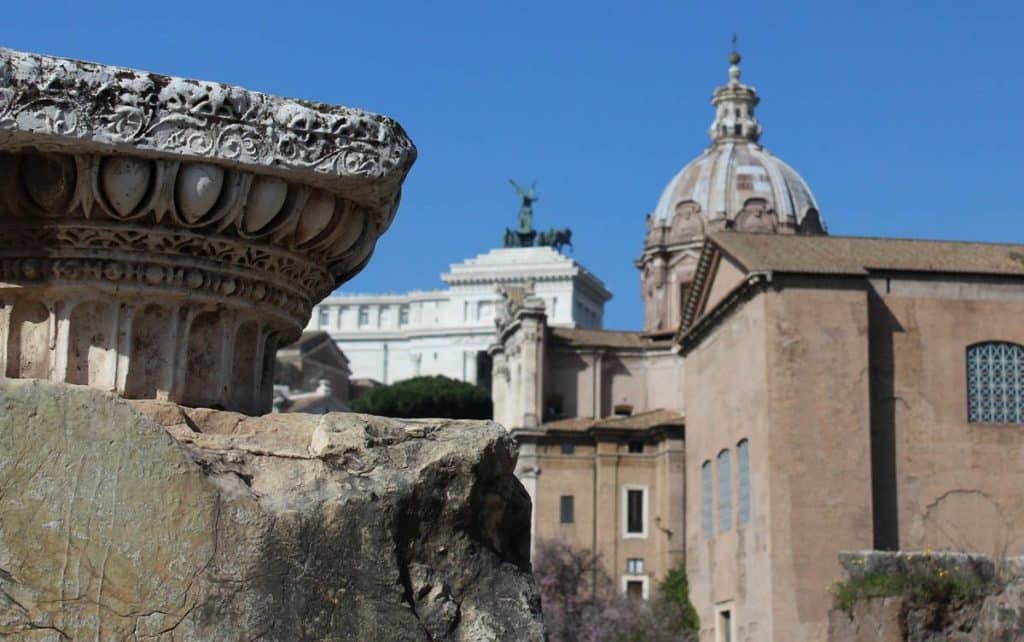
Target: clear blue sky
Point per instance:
(905, 120)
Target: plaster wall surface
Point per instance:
(591, 382)
(727, 277)
(820, 479)
(787, 371)
(955, 484)
(727, 400)
(605, 464)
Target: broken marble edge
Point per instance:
(73, 103)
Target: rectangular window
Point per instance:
(341, 314)
(565, 509)
(635, 566)
(708, 501)
(364, 316)
(743, 472)
(724, 492)
(634, 511)
(384, 320)
(403, 315)
(995, 383)
(636, 447)
(484, 310)
(568, 448)
(325, 317)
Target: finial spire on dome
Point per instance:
(734, 63)
(734, 107)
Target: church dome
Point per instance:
(736, 183)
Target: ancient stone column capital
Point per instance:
(161, 237)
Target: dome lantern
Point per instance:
(734, 108)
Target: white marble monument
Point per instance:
(390, 337)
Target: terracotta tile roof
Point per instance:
(580, 424)
(860, 255)
(642, 420)
(603, 338)
(639, 421)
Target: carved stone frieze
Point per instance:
(211, 217)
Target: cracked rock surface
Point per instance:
(148, 521)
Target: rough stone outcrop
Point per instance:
(950, 597)
(167, 523)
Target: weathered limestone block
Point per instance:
(161, 237)
(166, 523)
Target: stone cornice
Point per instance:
(414, 332)
(59, 100)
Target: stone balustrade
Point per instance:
(161, 237)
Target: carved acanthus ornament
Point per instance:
(161, 237)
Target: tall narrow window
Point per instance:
(635, 519)
(403, 315)
(566, 510)
(724, 492)
(995, 383)
(324, 317)
(364, 316)
(743, 474)
(706, 496)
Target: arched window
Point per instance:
(743, 473)
(705, 478)
(724, 492)
(995, 383)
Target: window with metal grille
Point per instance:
(708, 501)
(995, 383)
(743, 474)
(724, 492)
(634, 511)
(566, 512)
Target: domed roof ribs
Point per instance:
(785, 209)
(702, 187)
(719, 206)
